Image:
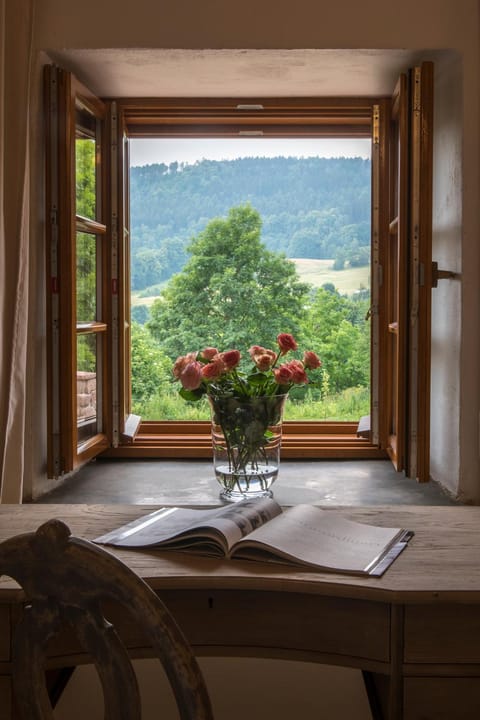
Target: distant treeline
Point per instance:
(310, 208)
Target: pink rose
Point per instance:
(181, 363)
(230, 358)
(283, 375)
(191, 376)
(311, 360)
(209, 353)
(264, 362)
(262, 357)
(213, 370)
(286, 342)
(256, 350)
(299, 376)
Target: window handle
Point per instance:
(442, 274)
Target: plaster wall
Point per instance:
(447, 251)
(426, 25)
(253, 24)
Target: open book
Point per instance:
(303, 535)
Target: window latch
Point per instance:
(442, 274)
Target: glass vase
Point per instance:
(246, 440)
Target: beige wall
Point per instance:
(447, 251)
(254, 24)
(414, 24)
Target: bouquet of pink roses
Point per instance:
(218, 374)
(246, 407)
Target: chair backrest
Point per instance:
(67, 579)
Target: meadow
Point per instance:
(313, 272)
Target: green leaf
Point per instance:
(191, 395)
(257, 378)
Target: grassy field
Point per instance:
(349, 405)
(313, 272)
(319, 272)
(137, 300)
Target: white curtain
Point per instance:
(16, 50)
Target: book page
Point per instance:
(308, 535)
(240, 519)
(182, 528)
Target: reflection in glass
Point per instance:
(86, 281)
(87, 423)
(85, 166)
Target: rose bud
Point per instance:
(283, 375)
(182, 362)
(209, 353)
(213, 370)
(256, 350)
(299, 376)
(265, 361)
(230, 358)
(286, 342)
(191, 377)
(311, 360)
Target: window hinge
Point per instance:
(376, 125)
(417, 79)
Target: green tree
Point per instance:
(151, 368)
(335, 324)
(140, 314)
(232, 292)
(147, 268)
(85, 177)
(358, 256)
(86, 299)
(86, 246)
(346, 355)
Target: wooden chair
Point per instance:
(67, 579)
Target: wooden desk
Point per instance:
(415, 631)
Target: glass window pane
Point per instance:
(86, 281)
(85, 166)
(87, 386)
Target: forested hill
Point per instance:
(310, 208)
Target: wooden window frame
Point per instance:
(123, 434)
(65, 452)
(227, 117)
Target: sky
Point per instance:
(186, 150)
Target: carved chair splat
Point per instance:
(68, 580)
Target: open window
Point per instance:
(404, 204)
(113, 428)
(77, 274)
(291, 119)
